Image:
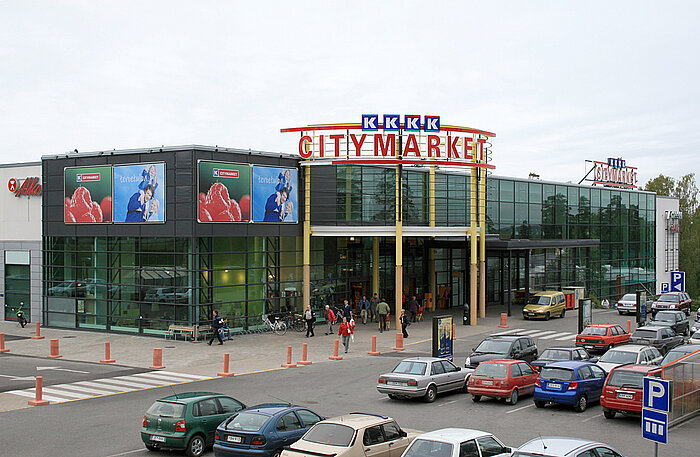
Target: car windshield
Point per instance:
(629, 297)
(166, 409)
(613, 356)
(555, 354)
(669, 298)
(246, 422)
(494, 347)
(408, 367)
(491, 370)
(537, 300)
(625, 378)
(599, 331)
(428, 448)
(557, 374)
(644, 334)
(330, 434)
(665, 317)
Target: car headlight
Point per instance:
(468, 362)
(673, 306)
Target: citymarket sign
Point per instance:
(28, 187)
(615, 173)
(415, 141)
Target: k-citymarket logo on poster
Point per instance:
(223, 192)
(87, 195)
(85, 177)
(275, 194)
(218, 173)
(139, 192)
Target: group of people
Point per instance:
(220, 329)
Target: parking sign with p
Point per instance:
(656, 406)
(678, 281)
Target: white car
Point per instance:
(558, 446)
(627, 304)
(695, 338)
(695, 327)
(629, 353)
(456, 442)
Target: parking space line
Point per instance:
(450, 402)
(592, 417)
(556, 335)
(520, 409)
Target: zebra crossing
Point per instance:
(79, 390)
(540, 334)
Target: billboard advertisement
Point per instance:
(275, 195)
(139, 192)
(224, 192)
(442, 337)
(87, 195)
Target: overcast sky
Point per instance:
(558, 82)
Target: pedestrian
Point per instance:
(309, 318)
(413, 308)
(382, 312)
(364, 309)
(225, 329)
(330, 317)
(216, 324)
(404, 323)
(347, 310)
(346, 331)
(373, 308)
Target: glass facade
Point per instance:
(17, 291)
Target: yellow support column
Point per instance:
(432, 286)
(399, 253)
(482, 242)
(473, 248)
(375, 265)
(306, 285)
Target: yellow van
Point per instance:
(545, 304)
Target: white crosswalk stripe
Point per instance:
(571, 336)
(106, 386)
(540, 334)
(506, 332)
(556, 335)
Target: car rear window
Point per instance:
(599, 331)
(625, 378)
(557, 374)
(644, 334)
(408, 367)
(166, 409)
(491, 370)
(669, 298)
(629, 297)
(330, 434)
(613, 356)
(555, 354)
(246, 422)
(666, 317)
(429, 448)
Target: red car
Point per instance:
(678, 301)
(602, 337)
(623, 390)
(504, 378)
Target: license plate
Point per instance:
(394, 383)
(234, 439)
(487, 383)
(530, 314)
(628, 396)
(160, 439)
(554, 385)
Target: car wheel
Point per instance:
(430, 394)
(546, 317)
(539, 404)
(277, 453)
(465, 387)
(581, 404)
(513, 397)
(195, 447)
(563, 313)
(609, 414)
(151, 447)
(524, 318)
(476, 398)
(393, 397)
(621, 313)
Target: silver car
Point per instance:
(627, 304)
(423, 377)
(558, 446)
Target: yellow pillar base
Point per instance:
(472, 297)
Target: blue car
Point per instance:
(570, 383)
(263, 430)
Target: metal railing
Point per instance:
(685, 374)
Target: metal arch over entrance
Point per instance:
(399, 144)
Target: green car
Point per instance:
(186, 421)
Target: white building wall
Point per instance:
(666, 240)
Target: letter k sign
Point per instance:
(370, 122)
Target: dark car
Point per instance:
(673, 301)
(263, 430)
(679, 352)
(676, 320)
(559, 353)
(570, 383)
(662, 338)
(503, 347)
(186, 421)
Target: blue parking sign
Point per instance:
(665, 287)
(655, 426)
(657, 394)
(678, 281)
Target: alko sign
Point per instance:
(30, 186)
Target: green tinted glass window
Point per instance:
(535, 192)
(547, 192)
(521, 192)
(507, 190)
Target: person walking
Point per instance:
(364, 309)
(413, 308)
(347, 310)
(382, 312)
(373, 308)
(309, 318)
(404, 323)
(216, 324)
(345, 332)
(330, 317)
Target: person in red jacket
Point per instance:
(330, 317)
(346, 331)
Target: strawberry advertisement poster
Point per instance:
(223, 192)
(87, 195)
(139, 192)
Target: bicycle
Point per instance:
(295, 322)
(279, 327)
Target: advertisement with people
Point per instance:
(275, 194)
(87, 195)
(442, 337)
(139, 192)
(224, 192)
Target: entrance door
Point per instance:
(357, 290)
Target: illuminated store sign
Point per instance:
(28, 187)
(613, 173)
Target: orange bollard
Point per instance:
(157, 359)
(629, 326)
(225, 373)
(54, 349)
(374, 346)
(38, 400)
(289, 363)
(504, 320)
(335, 355)
(2, 344)
(399, 342)
(38, 333)
(454, 331)
(304, 360)
(107, 358)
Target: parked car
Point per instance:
(672, 300)
(558, 446)
(559, 353)
(503, 347)
(695, 327)
(679, 352)
(352, 435)
(676, 320)
(629, 353)
(623, 390)
(570, 383)
(695, 338)
(456, 442)
(186, 421)
(263, 430)
(602, 336)
(506, 379)
(627, 304)
(662, 338)
(545, 304)
(423, 377)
